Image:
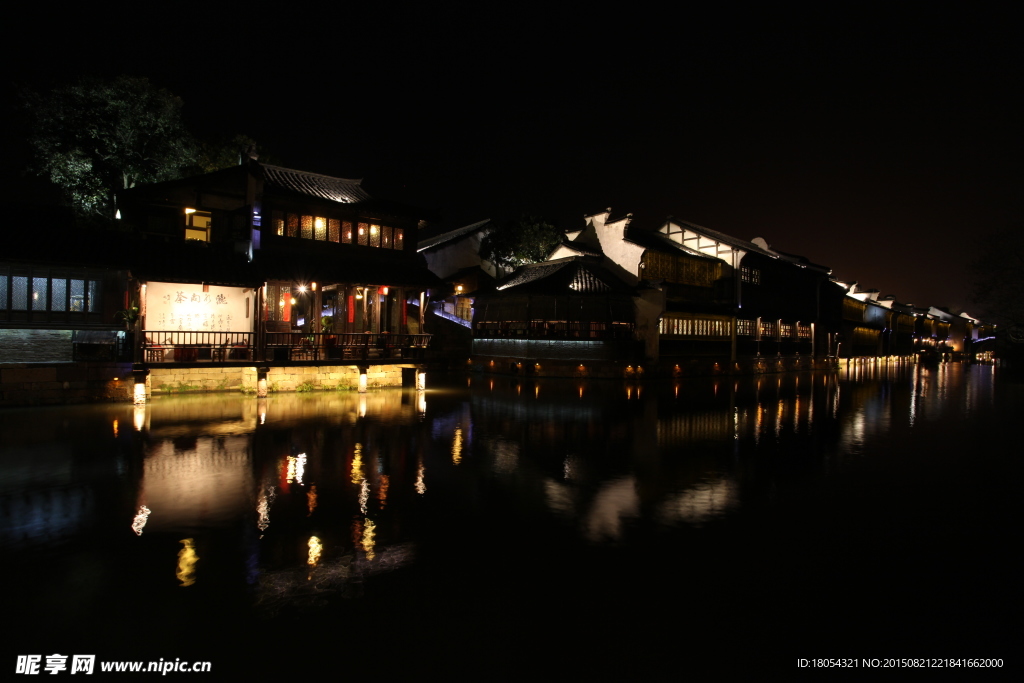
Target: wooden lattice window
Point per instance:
(293, 225)
(334, 230)
(307, 227)
(364, 234)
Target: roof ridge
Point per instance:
(357, 181)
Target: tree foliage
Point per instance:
(95, 137)
(526, 240)
(226, 152)
(998, 274)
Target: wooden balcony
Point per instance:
(168, 346)
(329, 346)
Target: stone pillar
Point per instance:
(362, 380)
(261, 382)
(139, 374)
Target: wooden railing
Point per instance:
(160, 346)
(290, 346)
(169, 346)
(552, 330)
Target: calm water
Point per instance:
(492, 526)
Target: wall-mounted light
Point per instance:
(384, 290)
(359, 292)
(312, 285)
(302, 288)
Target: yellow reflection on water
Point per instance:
(315, 549)
(382, 492)
(187, 559)
(357, 464)
(457, 446)
(140, 519)
(368, 541)
(115, 428)
(364, 495)
(139, 417)
(421, 484)
(263, 508)
(296, 468)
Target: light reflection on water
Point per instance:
(303, 499)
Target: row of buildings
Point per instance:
(676, 299)
(260, 265)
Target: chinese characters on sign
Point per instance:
(187, 308)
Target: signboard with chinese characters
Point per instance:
(187, 308)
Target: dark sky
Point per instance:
(881, 145)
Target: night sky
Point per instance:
(884, 146)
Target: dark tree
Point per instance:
(227, 152)
(999, 280)
(96, 137)
(527, 240)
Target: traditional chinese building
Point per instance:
(687, 298)
(260, 263)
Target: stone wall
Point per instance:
(35, 346)
(294, 378)
(34, 384)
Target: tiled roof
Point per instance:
(327, 187)
(661, 242)
(724, 238)
(451, 235)
(576, 273)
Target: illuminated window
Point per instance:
(49, 294)
(364, 234)
(398, 239)
(278, 221)
(385, 238)
(320, 228)
(197, 225)
(786, 330)
(292, 226)
(307, 227)
(750, 275)
(346, 232)
(374, 235)
(745, 327)
(334, 230)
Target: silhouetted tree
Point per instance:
(998, 274)
(96, 137)
(228, 152)
(527, 240)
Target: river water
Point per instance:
(492, 526)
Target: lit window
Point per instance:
(197, 225)
(751, 275)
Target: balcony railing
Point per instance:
(292, 346)
(160, 346)
(538, 329)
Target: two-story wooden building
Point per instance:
(260, 262)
